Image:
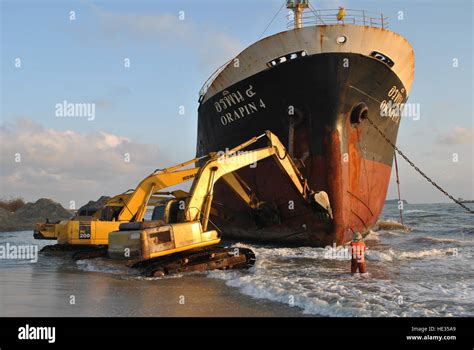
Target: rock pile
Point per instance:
(27, 216)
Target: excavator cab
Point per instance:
(110, 213)
(172, 211)
(164, 234)
(152, 239)
(158, 212)
(167, 211)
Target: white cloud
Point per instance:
(109, 141)
(141, 26)
(69, 165)
(457, 136)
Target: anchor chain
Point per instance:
(416, 168)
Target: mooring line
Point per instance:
(418, 169)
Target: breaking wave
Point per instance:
(341, 296)
(372, 236)
(339, 253)
(104, 266)
(378, 255)
(413, 211)
(416, 254)
(429, 239)
(390, 225)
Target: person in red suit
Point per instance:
(358, 253)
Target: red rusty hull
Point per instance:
(355, 204)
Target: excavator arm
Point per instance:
(241, 189)
(134, 209)
(224, 166)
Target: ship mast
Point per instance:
(297, 6)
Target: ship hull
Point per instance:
(318, 106)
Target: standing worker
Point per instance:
(341, 14)
(358, 253)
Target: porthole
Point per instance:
(341, 39)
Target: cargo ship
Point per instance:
(323, 87)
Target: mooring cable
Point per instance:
(416, 168)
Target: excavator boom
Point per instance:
(135, 208)
(225, 165)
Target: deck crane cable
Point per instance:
(269, 24)
(316, 13)
(416, 168)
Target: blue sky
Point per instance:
(82, 61)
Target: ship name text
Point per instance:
(236, 105)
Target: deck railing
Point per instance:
(319, 17)
(211, 79)
(329, 17)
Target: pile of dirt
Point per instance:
(27, 216)
(4, 215)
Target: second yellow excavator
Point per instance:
(90, 235)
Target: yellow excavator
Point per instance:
(179, 239)
(90, 235)
(53, 230)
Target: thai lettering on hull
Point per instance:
(237, 105)
(392, 108)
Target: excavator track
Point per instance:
(90, 254)
(221, 258)
(79, 252)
